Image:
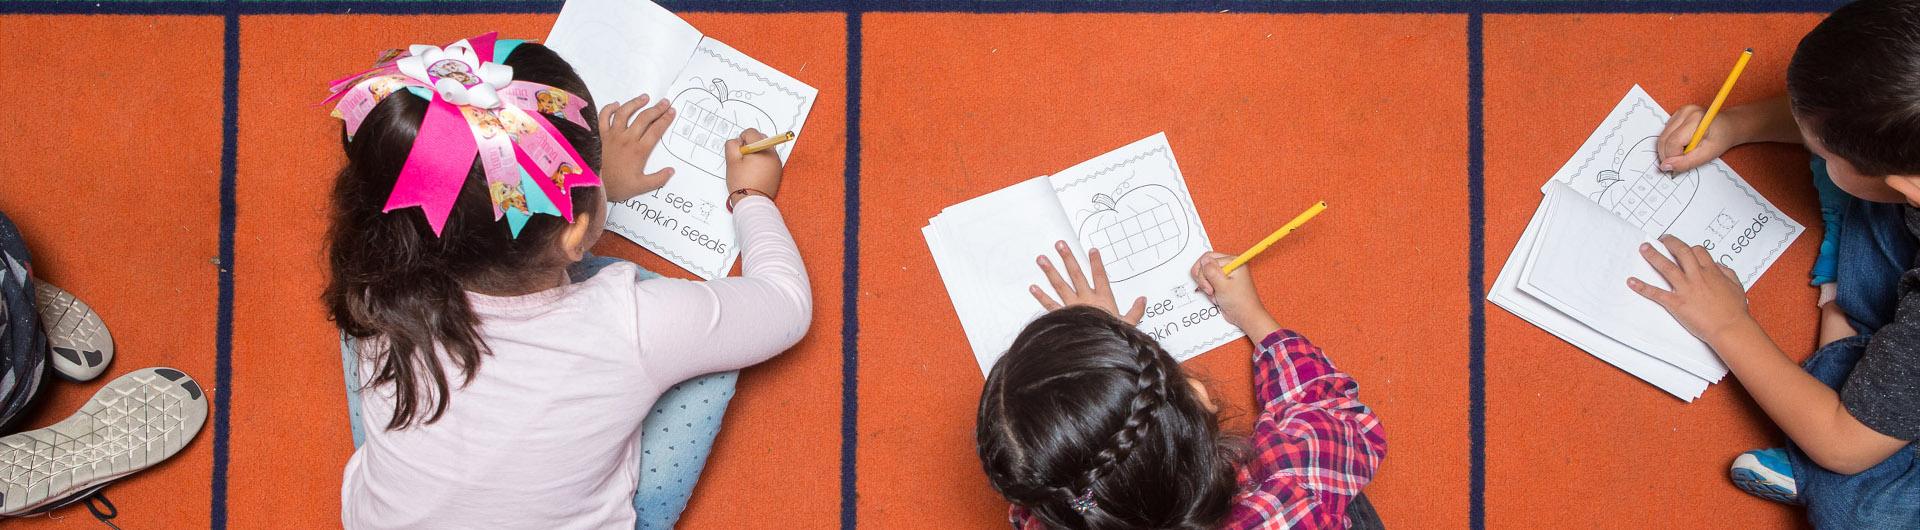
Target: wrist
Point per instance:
(1256, 323)
(1722, 339)
(741, 194)
(1741, 125)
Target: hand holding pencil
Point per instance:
(1697, 135)
(1239, 303)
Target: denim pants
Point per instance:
(1873, 249)
(675, 437)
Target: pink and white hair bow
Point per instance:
(474, 110)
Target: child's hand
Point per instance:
(758, 172)
(1234, 293)
(1079, 292)
(627, 137)
(1706, 298)
(1722, 134)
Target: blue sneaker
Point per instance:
(1765, 473)
(1832, 199)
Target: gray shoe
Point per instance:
(131, 424)
(81, 345)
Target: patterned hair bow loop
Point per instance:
(475, 109)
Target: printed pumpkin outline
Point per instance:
(1636, 178)
(1136, 230)
(711, 114)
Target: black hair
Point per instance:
(1085, 402)
(395, 282)
(1855, 82)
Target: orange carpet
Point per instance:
(114, 151)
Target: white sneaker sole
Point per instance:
(131, 424)
(1757, 479)
(81, 345)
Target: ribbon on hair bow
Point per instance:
(474, 110)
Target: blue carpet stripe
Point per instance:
(849, 296)
(223, 334)
(1476, 283)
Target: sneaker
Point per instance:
(1765, 473)
(131, 424)
(81, 345)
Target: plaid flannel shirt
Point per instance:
(1315, 445)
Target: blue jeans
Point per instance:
(675, 438)
(1873, 249)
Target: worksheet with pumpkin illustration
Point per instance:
(623, 49)
(1132, 204)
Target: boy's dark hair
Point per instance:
(1083, 401)
(393, 281)
(1855, 81)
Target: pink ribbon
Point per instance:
(436, 166)
(451, 136)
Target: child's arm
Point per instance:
(1708, 300)
(1317, 445)
(1762, 121)
(694, 328)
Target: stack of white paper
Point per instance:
(624, 49)
(1131, 204)
(1568, 274)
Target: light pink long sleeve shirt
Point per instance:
(546, 435)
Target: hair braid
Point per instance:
(1150, 394)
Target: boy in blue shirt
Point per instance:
(1852, 411)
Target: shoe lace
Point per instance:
(102, 509)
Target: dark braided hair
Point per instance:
(1083, 402)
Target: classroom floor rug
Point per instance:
(167, 163)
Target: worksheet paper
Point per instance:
(1131, 203)
(1710, 205)
(1580, 267)
(625, 48)
(1568, 273)
(1506, 293)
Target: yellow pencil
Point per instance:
(766, 144)
(1277, 234)
(1714, 109)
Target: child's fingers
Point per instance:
(1679, 131)
(732, 150)
(752, 135)
(658, 129)
(1665, 267)
(1135, 313)
(1098, 269)
(1682, 255)
(1702, 257)
(623, 117)
(1199, 277)
(1656, 294)
(646, 118)
(1046, 302)
(660, 176)
(606, 117)
(1728, 271)
(1053, 278)
(1072, 265)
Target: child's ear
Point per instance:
(578, 237)
(1907, 185)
